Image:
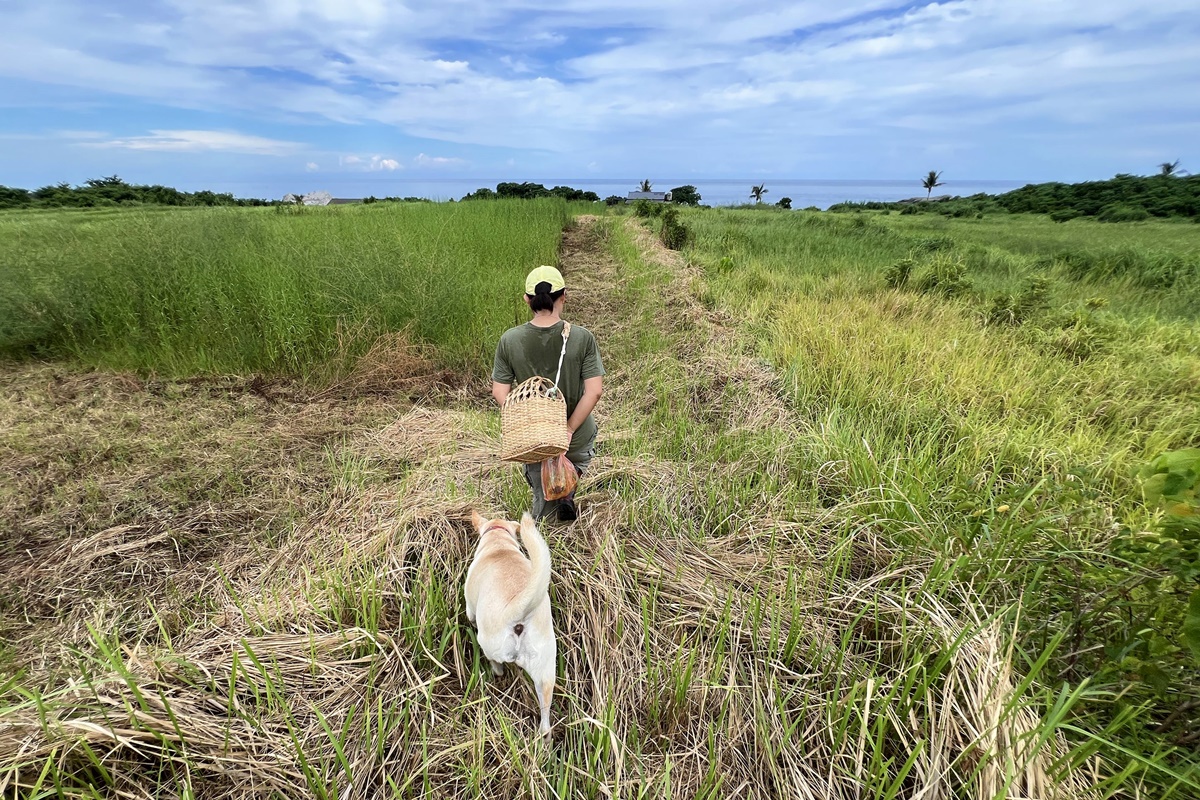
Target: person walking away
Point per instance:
(533, 349)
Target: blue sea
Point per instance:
(713, 192)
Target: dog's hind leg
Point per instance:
(545, 693)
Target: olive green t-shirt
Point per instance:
(527, 350)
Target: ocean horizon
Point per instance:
(713, 191)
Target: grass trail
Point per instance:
(298, 631)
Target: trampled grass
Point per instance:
(291, 290)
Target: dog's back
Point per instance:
(508, 599)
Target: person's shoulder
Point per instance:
(581, 331)
(512, 333)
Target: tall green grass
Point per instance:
(1006, 451)
(271, 291)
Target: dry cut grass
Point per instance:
(713, 641)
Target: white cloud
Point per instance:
(374, 163)
(423, 161)
(312, 166)
(607, 78)
(202, 141)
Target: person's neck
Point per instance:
(546, 319)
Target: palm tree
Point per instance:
(931, 182)
(645, 187)
(1169, 169)
(758, 191)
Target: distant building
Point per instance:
(341, 201)
(653, 197)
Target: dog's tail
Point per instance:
(539, 578)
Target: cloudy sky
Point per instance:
(256, 96)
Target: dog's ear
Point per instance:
(477, 520)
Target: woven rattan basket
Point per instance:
(533, 423)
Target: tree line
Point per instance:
(1123, 198)
(112, 191)
(531, 191)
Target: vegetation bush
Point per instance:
(896, 276)
(1122, 212)
(647, 209)
(943, 275)
(685, 195)
(1014, 309)
(614, 200)
(1141, 267)
(674, 233)
(935, 244)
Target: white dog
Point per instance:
(509, 603)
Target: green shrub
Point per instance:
(1145, 268)
(935, 244)
(614, 200)
(896, 276)
(1014, 309)
(943, 275)
(1119, 212)
(685, 195)
(674, 233)
(647, 209)
(1159, 605)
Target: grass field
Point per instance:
(842, 539)
(290, 290)
(988, 405)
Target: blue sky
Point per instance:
(260, 97)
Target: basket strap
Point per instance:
(566, 335)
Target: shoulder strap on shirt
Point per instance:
(566, 335)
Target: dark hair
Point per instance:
(543, 299)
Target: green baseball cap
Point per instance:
(543, 273)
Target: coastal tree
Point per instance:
(1170, 169)
(645, 185)
(931, 182)
(785, 202)
(685, 195)
(757, 192)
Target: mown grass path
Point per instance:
(718, 635)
